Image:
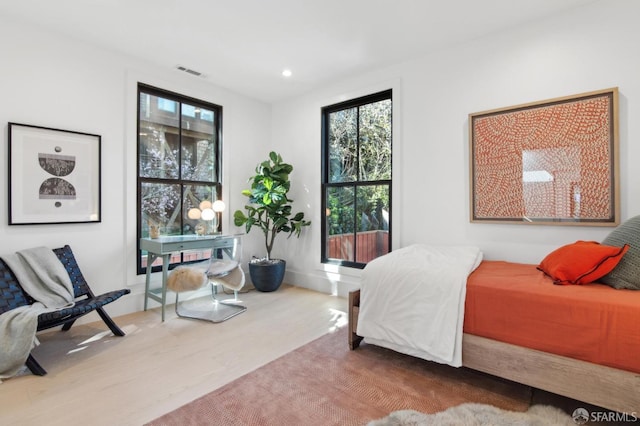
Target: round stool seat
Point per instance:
(185, 278)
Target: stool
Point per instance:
(227, 273)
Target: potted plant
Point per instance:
(269, 209)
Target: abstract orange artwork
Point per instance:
(549, 162)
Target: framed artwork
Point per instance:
(548, 162)
(54, 176)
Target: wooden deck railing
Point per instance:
(371, 244)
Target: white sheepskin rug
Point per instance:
(186, 279)
(478, 414)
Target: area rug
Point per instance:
(324, 383)
(479, 415)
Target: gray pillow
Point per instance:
(627, 273)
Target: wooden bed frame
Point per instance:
(595, 384)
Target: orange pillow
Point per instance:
(581, 262)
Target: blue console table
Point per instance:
(164, 246)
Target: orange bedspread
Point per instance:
(516, 303)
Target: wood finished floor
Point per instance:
(95, 378)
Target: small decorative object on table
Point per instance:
(154, 230)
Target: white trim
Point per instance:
(395, 85)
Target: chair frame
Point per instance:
(219, 305)
(12, 295)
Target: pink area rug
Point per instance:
(324, 383)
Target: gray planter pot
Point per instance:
(268, 275)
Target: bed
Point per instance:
(579, 341)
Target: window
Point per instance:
(178, 167)
(356, 180)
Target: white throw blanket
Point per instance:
(412, 300)
(45, 279)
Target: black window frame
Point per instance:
(325, 112)
(216, 184)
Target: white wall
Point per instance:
(587, 49)
(54, 81)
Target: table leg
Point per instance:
(150, 259)
(165, 269)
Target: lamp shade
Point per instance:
(208, 214)
(206, 204)
(218, 206)
(194, 213)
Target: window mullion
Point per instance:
(180, 175)
(355, 188)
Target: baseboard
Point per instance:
(322, 284)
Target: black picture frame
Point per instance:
(54, 176)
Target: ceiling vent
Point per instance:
(189, 71)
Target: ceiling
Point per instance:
(244, 45)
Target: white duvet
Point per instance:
(412, 300)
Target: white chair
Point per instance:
(227, 273)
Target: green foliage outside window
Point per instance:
(359, 150)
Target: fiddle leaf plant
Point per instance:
(269, 206)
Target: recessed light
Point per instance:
(286, 73)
